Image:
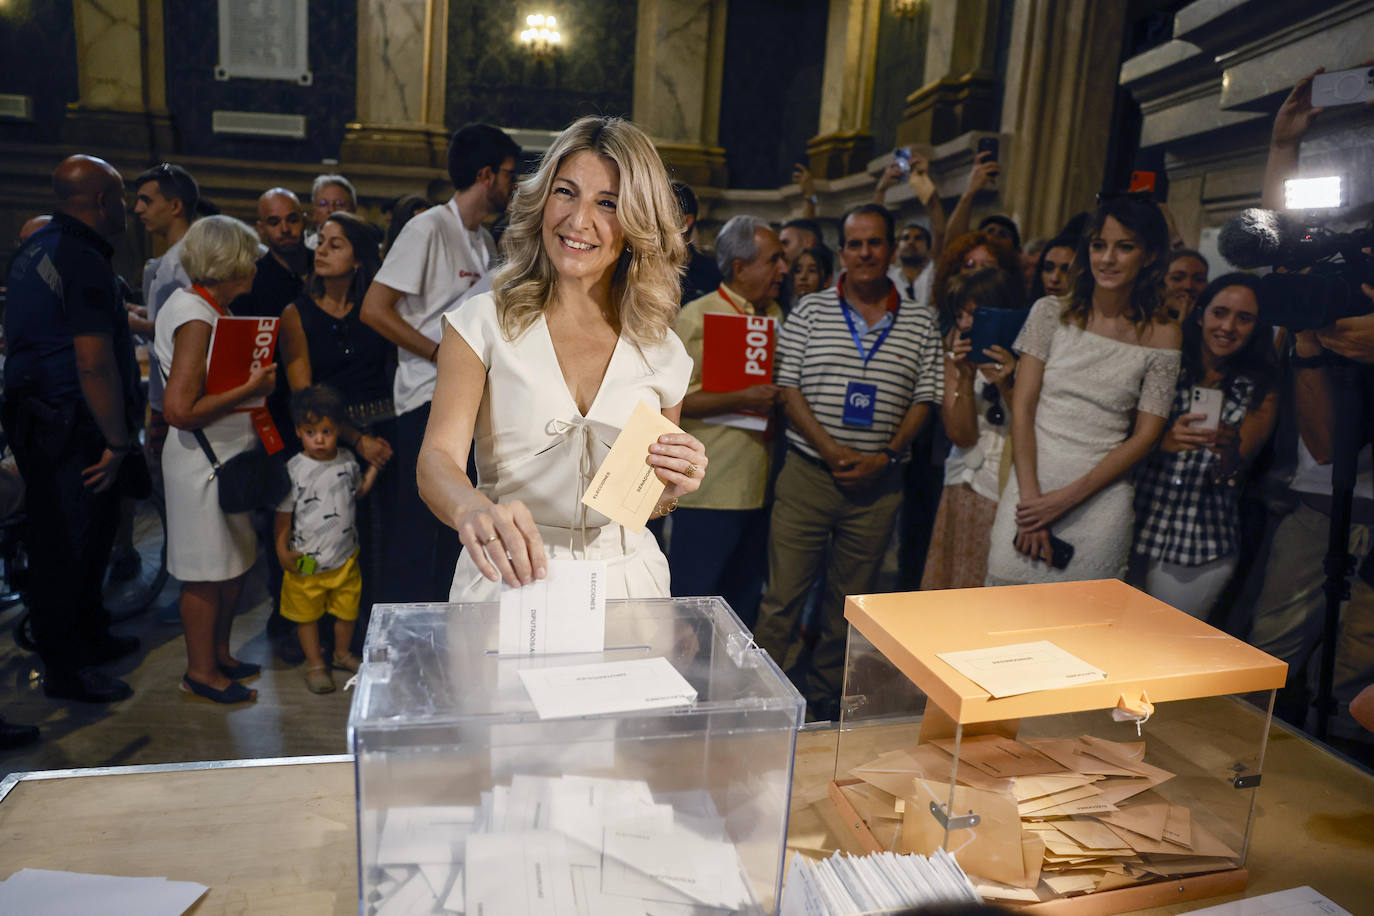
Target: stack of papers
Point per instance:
(563, 846)
(1059, 817)
(39, 892)
(880, 883)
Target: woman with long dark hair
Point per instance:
(358, 363)
(1088, 365)
(1054, 269)
(1187, 498)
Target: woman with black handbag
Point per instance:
(208, 549)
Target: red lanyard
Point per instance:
(205, 294)
(726, 296)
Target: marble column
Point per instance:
(844, 144)
(1057, 108)
(121, 80)
(679, 66)
(402, 53)
(961, 90)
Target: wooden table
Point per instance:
(279, 836)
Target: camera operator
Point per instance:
(1288, 613)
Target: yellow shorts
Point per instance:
(305, 599)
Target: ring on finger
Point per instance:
(489, 540)
(691, 469)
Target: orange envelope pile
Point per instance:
(1059, 817)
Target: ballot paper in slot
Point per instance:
(1008, 671)
(606, 687)
(563, 612)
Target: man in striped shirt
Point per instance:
(859, 368)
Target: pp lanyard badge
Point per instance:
(861, 397)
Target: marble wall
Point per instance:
(671, 70)
(899, 70)
(491, 78)
(38, 59)
(192, 50)
(111, 75)
(774, 62)
(393, 51)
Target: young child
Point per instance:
(316, 540)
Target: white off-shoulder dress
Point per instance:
(1091, 388)
(532, 444)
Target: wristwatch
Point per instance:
(893, 456)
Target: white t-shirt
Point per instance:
(321, 501)
(434, 263)
(1314, 478)
(918, 290)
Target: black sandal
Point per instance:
(240, 671)
(234, 693)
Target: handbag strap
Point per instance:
(204, 444)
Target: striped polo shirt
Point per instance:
(816, 354)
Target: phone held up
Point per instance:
(1206, 401)
(901, 157)
(1344, 87)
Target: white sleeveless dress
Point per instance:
(532, 444)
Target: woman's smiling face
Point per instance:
(582, 234)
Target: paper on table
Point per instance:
(1296, 901)
(624, 686)
(1006, 671)
(563, 612)
(625, 487)
(43, 892)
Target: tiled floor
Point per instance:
(159, 724)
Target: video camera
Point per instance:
(1335, 265)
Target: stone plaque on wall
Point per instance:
(264, 39)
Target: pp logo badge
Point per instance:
(859, 399)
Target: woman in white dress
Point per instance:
(207, 550)
(538, 376)
(1094, 384)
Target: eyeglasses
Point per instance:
(995, 415)
(332, 204)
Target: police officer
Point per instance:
(71, 407)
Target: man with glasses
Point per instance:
(328, 195)
(438, 259)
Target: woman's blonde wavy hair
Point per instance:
(647, 283)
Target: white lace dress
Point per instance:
(1092, 386)
(532, 444)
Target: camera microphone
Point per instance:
(1257, 238)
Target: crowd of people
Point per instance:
(1124, 415)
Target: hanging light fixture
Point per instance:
(541, 36)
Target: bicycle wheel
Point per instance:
(137, 573)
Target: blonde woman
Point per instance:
(538, 376)
(207, 549)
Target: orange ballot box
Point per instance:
(1079, 747)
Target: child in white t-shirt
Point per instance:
(316, 539)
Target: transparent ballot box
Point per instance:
(1132, 785)
(469, 801)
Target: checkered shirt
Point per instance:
(1182, 516)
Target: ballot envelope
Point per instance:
(1066, 740)
(650, 776)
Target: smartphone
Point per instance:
(902, 157)
(1141, 181)
(1206, 401)
(994, 328)
(988, 145)
(1344, 87)
(1061, 552)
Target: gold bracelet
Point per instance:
(661, 511)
